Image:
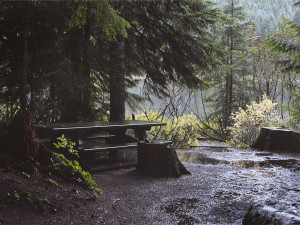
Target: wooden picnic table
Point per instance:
(115, 136)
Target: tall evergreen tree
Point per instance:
(288, 43)
(170, 41)
(72, 47)
(230, 81)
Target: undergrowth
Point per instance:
(71, 169)
(247, 122)
(181, 130)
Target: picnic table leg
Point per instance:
(118, 138)
(141, 134)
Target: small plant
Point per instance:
(247, 123)
(53, 182)
(73, 170)
(63, 143)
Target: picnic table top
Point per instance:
(100, 125)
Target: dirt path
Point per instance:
(219, 191)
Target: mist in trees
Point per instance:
(76, 49)
(74, 60)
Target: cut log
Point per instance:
(278, 139)
(157, 159)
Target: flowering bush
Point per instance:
(182, 130)
(247, 123)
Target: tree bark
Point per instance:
(70, 110)
(278, 139)
(20, 141)
(117, 80)
(86, 106)
(156, 159)
(23, 78)
(117, 73)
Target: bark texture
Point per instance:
(278, 139)
(21, 140)
(156, 159)
(117, 80)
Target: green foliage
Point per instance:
(63, 143)
(295, 112)
(30, 199)
(247, 123)
(72, 170)
(105, 17)
(286, 40)
(53, 182)
(182, 130)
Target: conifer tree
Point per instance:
(230, 81)
(289, 44)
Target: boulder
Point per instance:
(265, 215)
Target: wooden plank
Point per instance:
(104, 125)
(100, 137)
(108, 148)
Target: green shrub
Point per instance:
(182, 130)
(63, 143)
(247, 123)
(71, 168)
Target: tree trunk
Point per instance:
(71, 99)
(86, 101)
(117, 80)
(20, 140)
(156, 159)
(117, 73)
(23, 82)
(278, 139)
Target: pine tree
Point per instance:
(231, 80)
(288, 43)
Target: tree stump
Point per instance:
(157, 159)
(20, 140)
(278, 139)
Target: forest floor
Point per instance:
(224, 183)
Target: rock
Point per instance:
(278, 139)
(265, 215)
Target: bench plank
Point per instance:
(108, 148)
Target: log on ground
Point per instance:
(157, 159)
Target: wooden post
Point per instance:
(156, 159)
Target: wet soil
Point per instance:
(224, 183)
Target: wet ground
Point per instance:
(224, 183)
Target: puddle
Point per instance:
(197, 157)
(216, 149)
(269, 174)
(226, 194)
(288, 163)
(264, 154)
(248, 164)
(183, 210)
(247, 160)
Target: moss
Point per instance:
(72, 170)
(54, 183)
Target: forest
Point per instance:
(205, 70)
(72, 61)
